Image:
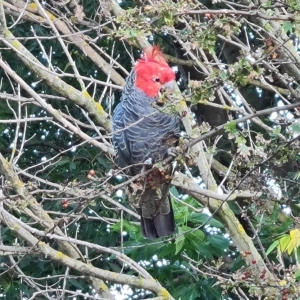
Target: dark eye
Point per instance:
(156, 79)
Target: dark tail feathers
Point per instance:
(158, 226)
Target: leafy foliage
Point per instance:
(61, 189)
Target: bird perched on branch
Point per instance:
(141, 134)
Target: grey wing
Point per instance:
(139, 137)
(120, 140)
(147, 139)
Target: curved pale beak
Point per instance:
(169, 86)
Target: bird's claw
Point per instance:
(148, 161)
(172, 151)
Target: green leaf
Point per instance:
(203, 248)
(244, 150)
(114, 267)
(219, 242)
(295, 127)
(169, 20)
(174, 191)
(199, 218)
(72, 166)
(277, 130)
(240, 140)
(127, 226)
(196, 235)
(76, 283)
(167, 250)
(159, 165)
(7, 287)
(223, 75)
(67, 66)
(297, 275)
(283, 242)
(275, 213)
(104, 162)
(214, 290)
(272, 247)
(179, 243)
(63, 161)
(191, 292)
(230, 127)
(287, 26)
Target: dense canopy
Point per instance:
(67, 228)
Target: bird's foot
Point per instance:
(173, 151)
(148, 161)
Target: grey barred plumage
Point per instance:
(140, 132)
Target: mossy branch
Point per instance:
(54, 112)
(32, 208)
(83, 268)
(83, 99)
